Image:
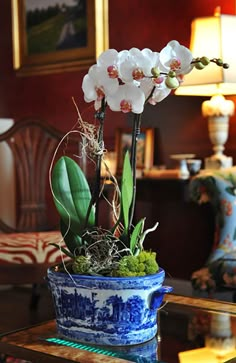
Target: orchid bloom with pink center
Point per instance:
(96, 84)
(176, 57)
(154, 92)
(155, 89)
(108, 60)
(128, 98)
(129, 78)
(137, 64)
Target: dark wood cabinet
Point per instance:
(184, 236)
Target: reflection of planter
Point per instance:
(145, 352)
(107, 310)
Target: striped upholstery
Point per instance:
(30, 247)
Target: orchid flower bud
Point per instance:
(219, 62)
(172, 74)
(155, 72)
(205, 61)
(171, 82)
(199, 65)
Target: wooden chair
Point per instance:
(25, 251)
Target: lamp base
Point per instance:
(218, 162)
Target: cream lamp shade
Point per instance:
(213, 37)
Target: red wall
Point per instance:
(149, 23)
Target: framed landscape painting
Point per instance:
(58, 35)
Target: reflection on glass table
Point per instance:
(187, 326)
(197, 330)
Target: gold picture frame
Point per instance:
(31, 59)
(145, 147)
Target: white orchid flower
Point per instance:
(136, 64)
(176, 57)
(129, 78)
(97, 84)
(128, 98)
(109, 61)
(147, 86)
(160, 92)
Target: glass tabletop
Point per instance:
(198, 330)
(187, 327)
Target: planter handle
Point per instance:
(158, 295)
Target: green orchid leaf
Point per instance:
(72, 195)
(135, 236)
(126, 190)
(64, 250)
(73, 241)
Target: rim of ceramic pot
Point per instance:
(161, 271)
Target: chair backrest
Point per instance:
(32, 143)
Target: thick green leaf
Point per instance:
(126, 190)
(136, 234)
(64, 250)
(73, 241)
(72, 194)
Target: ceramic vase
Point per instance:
(107, 310)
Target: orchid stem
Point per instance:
(135, 136)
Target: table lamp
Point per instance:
(212, 37)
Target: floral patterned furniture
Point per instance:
(219, 189)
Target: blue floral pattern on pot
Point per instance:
(107, 310)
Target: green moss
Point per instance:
(81, 265)
(141, 265)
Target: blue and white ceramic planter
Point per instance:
(107, 310)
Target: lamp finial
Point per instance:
(217, 11)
